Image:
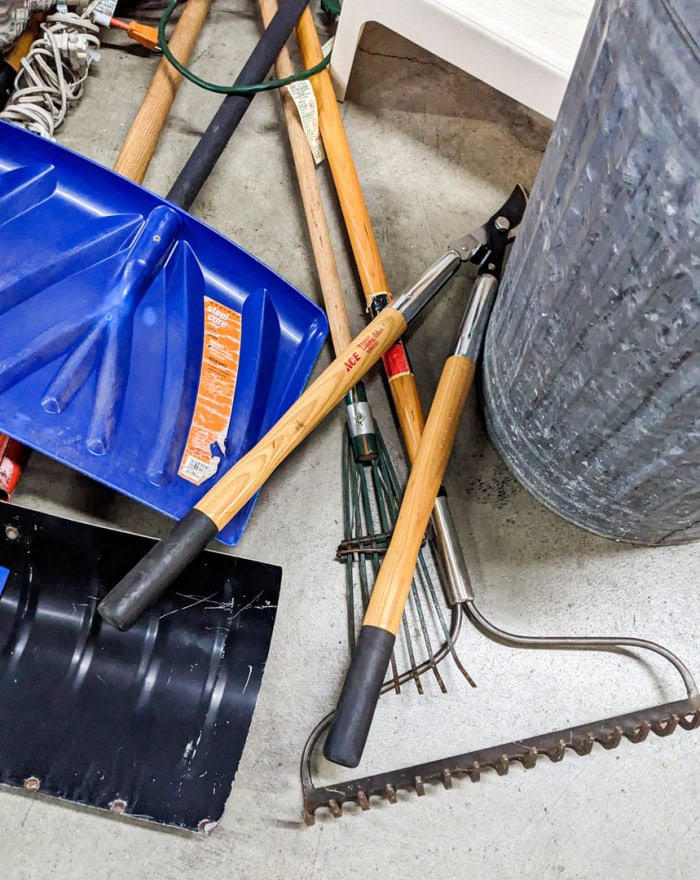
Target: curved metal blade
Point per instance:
(150, 723)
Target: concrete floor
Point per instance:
(436, 151)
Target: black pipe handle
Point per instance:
(358, 699)
(212, 143)
(155, 573)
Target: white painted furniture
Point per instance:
(525, 48)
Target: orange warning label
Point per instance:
(217, 386)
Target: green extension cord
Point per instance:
(332, 7)
(268, 86)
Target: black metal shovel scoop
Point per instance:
(149, 723)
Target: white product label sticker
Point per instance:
(305, 100)
(106, 8)
(215, 393)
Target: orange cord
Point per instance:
(141, 33)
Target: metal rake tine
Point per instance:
(384, 503)
(378, 487)
(422, 574)
(356, 519)
(386, 520)
(608, 733)
(430, 587)
(349, 561)
(414, 601)
(428, 581)
(362, 505)
(414, 596)
(305, 768)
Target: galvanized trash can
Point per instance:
(592, 360)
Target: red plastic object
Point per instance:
(13, 458)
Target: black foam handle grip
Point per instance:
(148, 580)
(358, 699)
(227, 118)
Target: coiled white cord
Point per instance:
(52, 77)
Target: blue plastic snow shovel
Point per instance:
(139, 346)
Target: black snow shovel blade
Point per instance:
(150, 723)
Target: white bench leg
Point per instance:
(351, 23)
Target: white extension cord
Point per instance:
(52, 77)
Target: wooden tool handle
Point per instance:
(142, 139)
(363, 241)
(157, 570)
(228, 496)
(317, 225)
(409, 411)
(347, 183)
(394, 580)
(361, 689)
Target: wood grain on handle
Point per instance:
(145, 131)
(319, 233)
(403, 388)
(409, 411)
(235, 488)
(347, 184)
(393, 582)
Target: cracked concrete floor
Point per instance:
(436, 151)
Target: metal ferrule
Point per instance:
(457, 587)
(419, 294)
(361, 425)
(471, 336)
(360, 421)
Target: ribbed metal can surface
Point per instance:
(592, 358)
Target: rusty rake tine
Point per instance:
(306, 771)
(607, 733)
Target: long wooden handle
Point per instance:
(142, 586)
(347, 183)
(393, 583)
(402, 382)
(409, 410)
(317, 224)
(141, 141)
(238, 486)
(362, 687)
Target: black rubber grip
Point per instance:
(148, 580)
(212, 143)
(358, 699)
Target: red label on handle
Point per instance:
(396, 361)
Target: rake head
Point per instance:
(635, 727)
